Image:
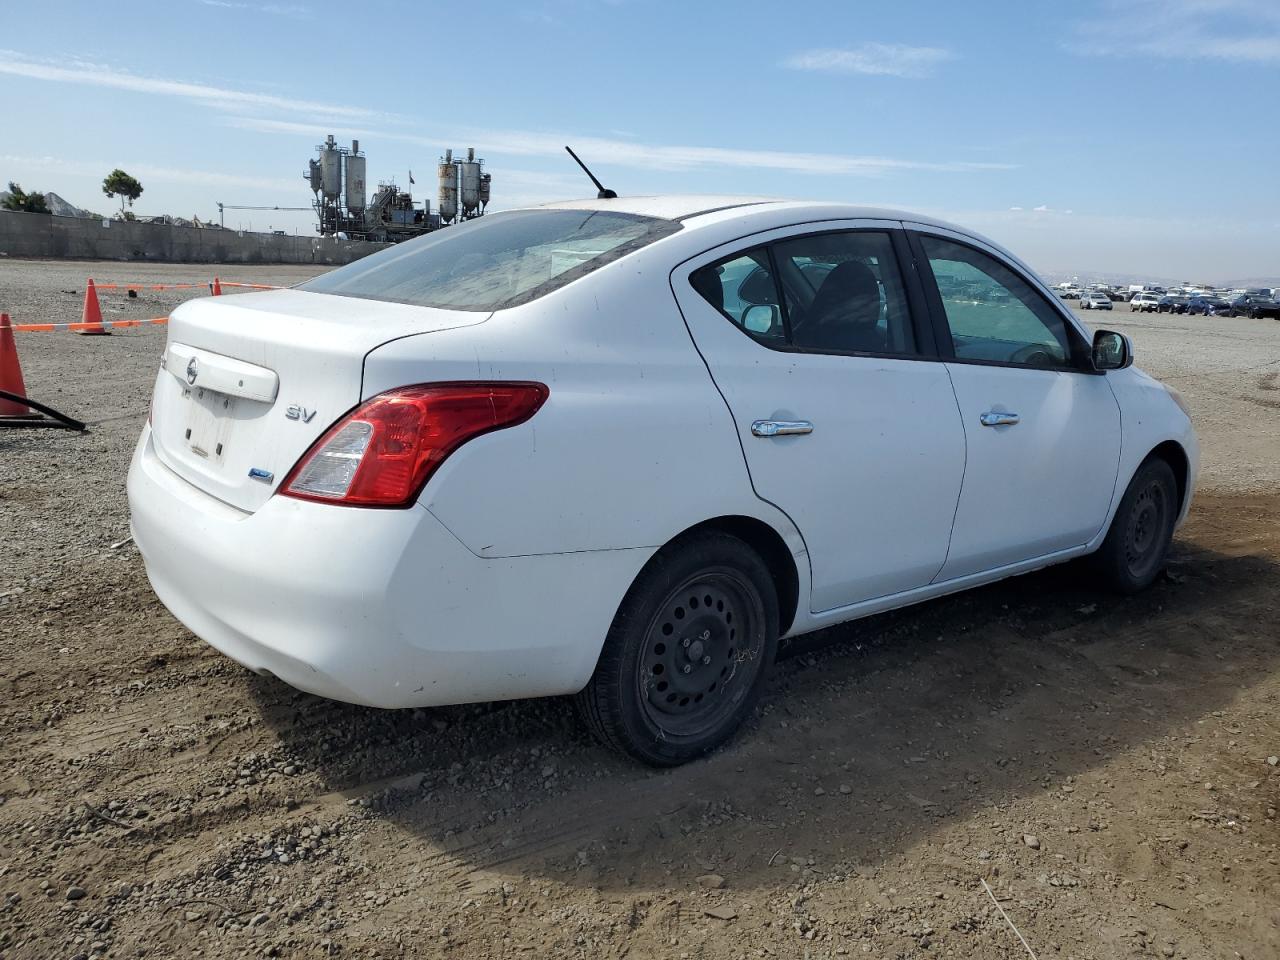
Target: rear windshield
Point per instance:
(497, 261)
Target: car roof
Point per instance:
(667, 206)
(693, 208)
(720, 218)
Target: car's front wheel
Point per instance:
(688, 652)
(1133, 553)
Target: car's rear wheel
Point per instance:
(687, 654)
(1134, 551)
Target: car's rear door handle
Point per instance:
(992, 419)
(781, 428)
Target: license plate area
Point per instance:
(210, 417)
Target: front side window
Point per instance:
(501, 260)
(832, 293)
(992, 312)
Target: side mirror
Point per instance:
(1111, 351)
(760, 317)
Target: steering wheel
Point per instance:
(1033, 354)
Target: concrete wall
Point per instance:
(42, 235)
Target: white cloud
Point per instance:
(617, 150)
(1041, 210)
(668, 158)
(1240, 31)
(39, 166)
(874, 59)
(96, 75)
(297, 11)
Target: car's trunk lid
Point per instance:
(249, 381)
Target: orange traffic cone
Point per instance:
(11, 373)
(215, 288)
(92, 317)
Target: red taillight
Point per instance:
(383, 452)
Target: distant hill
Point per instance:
(1123, 279)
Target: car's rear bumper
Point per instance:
(378, 607)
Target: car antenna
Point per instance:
(603, 192)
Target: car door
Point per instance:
(1042, 428)
(848, 423)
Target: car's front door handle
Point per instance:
(781, 428)
(992, 419)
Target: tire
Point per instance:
(678, 675)
(1134, 551)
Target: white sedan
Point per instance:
(620, 448)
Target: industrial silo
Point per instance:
(486, 182)
(331, 169)
(470, 186)
(448, 205)
(355, 179)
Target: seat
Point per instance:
(845, 313)
(707, 283)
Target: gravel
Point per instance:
(894, 765)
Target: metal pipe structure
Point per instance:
(338, 182)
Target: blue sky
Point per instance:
(1138, 136)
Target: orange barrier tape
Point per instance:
(152, 286)
(78, 325)
(184, 286)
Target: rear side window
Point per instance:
(744, 290)
(836, 292)
(493, 262)
(851, 296)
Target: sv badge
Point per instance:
(295, 412)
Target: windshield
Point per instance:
(496, 261)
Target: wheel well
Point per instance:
(1171, 452)
(768, 543)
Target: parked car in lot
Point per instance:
(1208, 304)
(1172, 303)
(1145, 302)
(1095, 301)
(1255, 306)
(620, 448)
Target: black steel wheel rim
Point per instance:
(701, 654)
(1144, 535)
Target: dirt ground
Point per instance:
(1107, 767)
